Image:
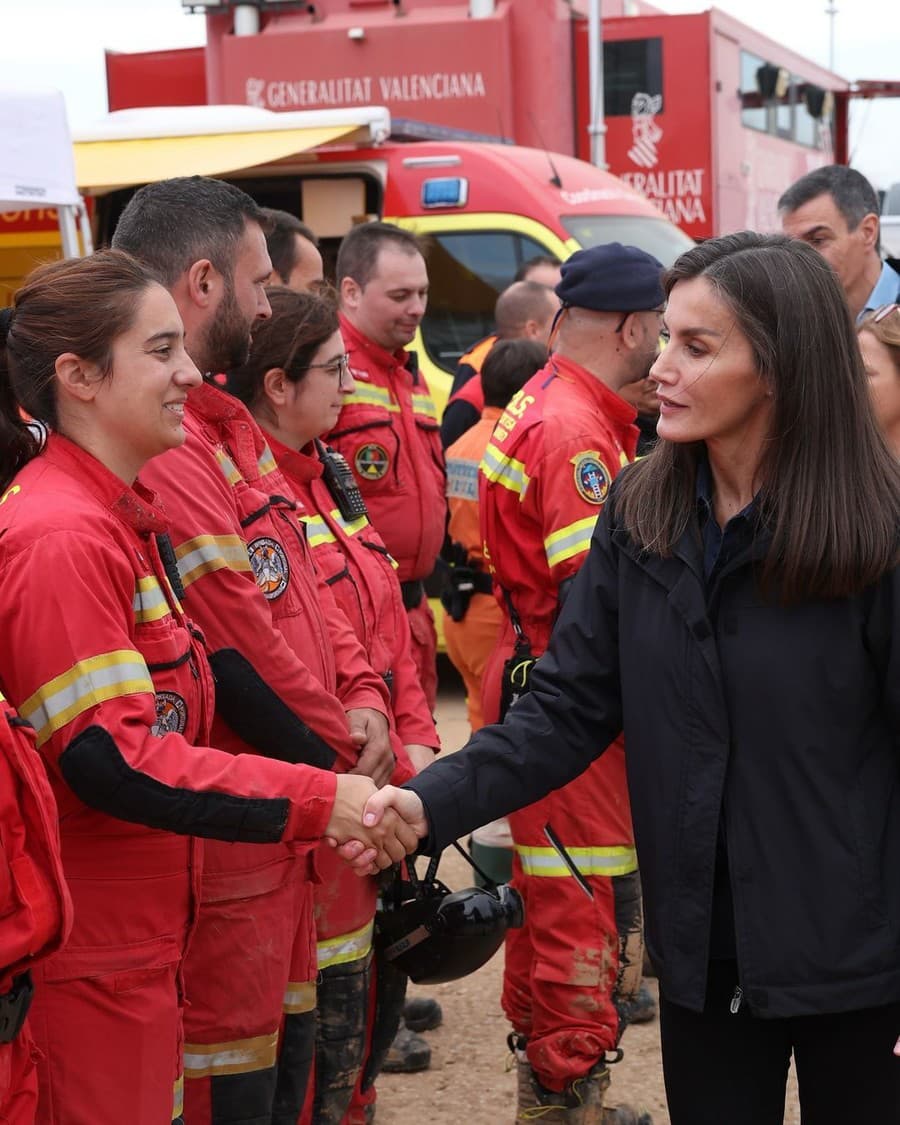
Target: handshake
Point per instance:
(373, 828)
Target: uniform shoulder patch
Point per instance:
(371, 461)
(269, 565)
(171, 714)
(592, 478)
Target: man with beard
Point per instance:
(544, 478)
(292, 681)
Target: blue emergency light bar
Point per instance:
(448, 191)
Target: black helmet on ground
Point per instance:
(434, 934)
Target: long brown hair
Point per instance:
(80, 305)
(829, 487)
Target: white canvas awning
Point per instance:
(37, 164)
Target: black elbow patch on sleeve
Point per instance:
(96, 771)
(257, 715)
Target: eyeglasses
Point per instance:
(621, 323)
(885, 311)
(339, 368)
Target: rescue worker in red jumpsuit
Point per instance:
(544, 477)
(292, 680)
(388, 428)
(294, 384)
(472, 617)
(98, 656)
(34, 901)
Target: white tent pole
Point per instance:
(84, 226)
(67, 230)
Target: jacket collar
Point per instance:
(355, 341)
(619, 412)
(136, 506)
(301, 465)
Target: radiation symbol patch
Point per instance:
(592, 478)
(371, 461)
(270, 566)
(171, 714)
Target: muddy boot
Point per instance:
(581, 1103)
(626, 1115)
(640, 1009)
(408, 1053)
(422, 1013)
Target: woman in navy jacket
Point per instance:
(738, 616)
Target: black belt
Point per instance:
(14, 1007)
(412, 593)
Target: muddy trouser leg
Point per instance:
(342, 1009)
(630, 926)
(390, 993)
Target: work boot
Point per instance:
(422, 1013)
(625, 1115)
(581, 1103)
(641, 1009)
(408, 1053)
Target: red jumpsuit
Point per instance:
(388, 432)
(471, 640)
(98, 656)
(544, 477)
(35, 906)
(361, 574)
(269, 622)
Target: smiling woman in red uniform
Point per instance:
(97, 655)
(295, 383)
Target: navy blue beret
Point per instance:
(611, 278)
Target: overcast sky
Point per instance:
(60, 43)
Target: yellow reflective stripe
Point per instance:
(623, 458)
(299, 997)
(349, 527)
(422, 404)
(207, 553)
(317, 531)
(241, 1056)
(228, 467)
(369, 395)
(178, 1098)
(2, 697)
(346, 947)
(150, 601)
(589, 861)
(266, 462)
(86, 684)
(573, 539)
(503, 470)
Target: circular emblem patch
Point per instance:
(371, 461)
(171, 714)
(592, 478)
(270, 566)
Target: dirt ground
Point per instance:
(470, 1079)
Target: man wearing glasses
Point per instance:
(835, 209)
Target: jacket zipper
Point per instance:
(736, 1000)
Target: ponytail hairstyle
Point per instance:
(299, 325)
(79, 305)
